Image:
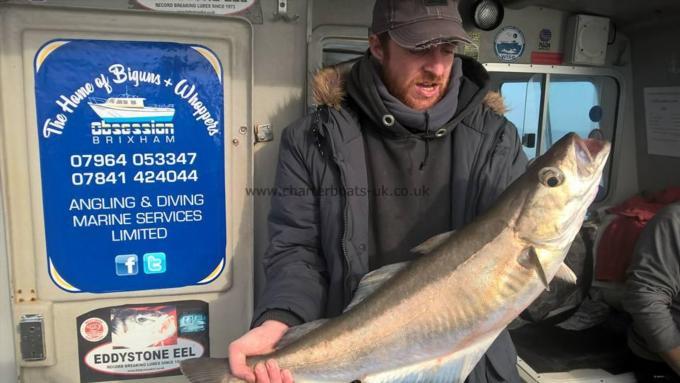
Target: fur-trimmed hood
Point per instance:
(328, 86)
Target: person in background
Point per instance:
(652, 298)
(406, 144)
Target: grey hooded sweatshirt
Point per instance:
(653, 286)
(320, 218)
(408, 164)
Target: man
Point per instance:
(653, 298)
(410, 123)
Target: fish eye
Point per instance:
(551, 177)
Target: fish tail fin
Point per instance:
(208, 370)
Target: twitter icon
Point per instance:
(154, 263)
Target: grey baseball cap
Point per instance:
(417, 24)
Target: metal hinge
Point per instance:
(282, 12)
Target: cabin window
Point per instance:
(523, 102)
(547, 106)
(337, 50)
(569, 109)
(330, 45)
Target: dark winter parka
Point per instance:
(319, 218)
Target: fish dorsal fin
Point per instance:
(566, 274)
(529, 259)
(296, 332)
(372, 281)
(451, 368)
(432, 243)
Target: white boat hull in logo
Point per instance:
(130, 109)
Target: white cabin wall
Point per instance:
(624, 178)
(8, 369)
(347, 13)
(280, 52)
(656, 63)
(8, 363)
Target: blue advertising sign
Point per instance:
(132, 162)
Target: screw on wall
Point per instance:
(282, 12)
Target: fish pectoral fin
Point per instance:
(372, 281)
(566, 274)
(296, 332)
(530, 256)
(432, 243)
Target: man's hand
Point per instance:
(258, 341)
(672, 358)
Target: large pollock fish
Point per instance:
(432, 319)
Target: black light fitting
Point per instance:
(488, 14)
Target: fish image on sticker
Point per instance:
(509, 44)
(141, 327)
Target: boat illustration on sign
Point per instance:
(512, 47)
(130, 109)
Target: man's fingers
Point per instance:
(258, 341)
(238, 366)
(274, 371)
(261, 373)
(286, 376)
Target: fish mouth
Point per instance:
(589, 154)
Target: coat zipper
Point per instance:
(478, 173)
(343, 179)
(345, 253)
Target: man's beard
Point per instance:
(401, 91)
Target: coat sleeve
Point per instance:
(654, 281)
(294, 268)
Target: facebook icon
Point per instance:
(126, 264)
